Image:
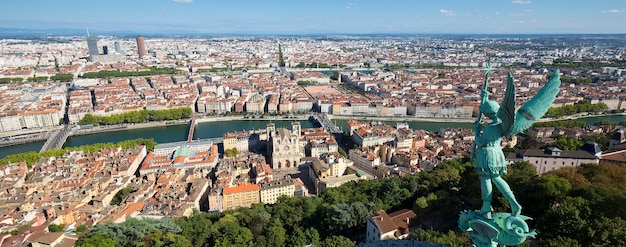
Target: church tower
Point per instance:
(284, 146)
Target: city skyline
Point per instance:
(320, 17)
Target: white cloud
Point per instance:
(467, 14)
(613, 11)
(352, 6)
(497, 13)
(183, 1)
(520, 2)
(447, 12)
(517, 14)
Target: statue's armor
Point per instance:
(490, 160)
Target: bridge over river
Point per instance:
(325, 122)
(57, 139)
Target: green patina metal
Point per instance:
(182, 151)
(484, 228)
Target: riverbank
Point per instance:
(406, 119)
(111, 128)
(211, 127)
(20, 137)
(39, 138)
(243, 118)
(581, 117)
(306, 117)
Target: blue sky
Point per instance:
(320, 16)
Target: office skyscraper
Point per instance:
(141, 46)
(118, 49)
(92, 44)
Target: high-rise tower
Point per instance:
(118, 49)
(141, 46)
(92, 45)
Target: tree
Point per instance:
(565, 143)
(276, 234)
(601, 139)
(96, 240)
(559, 241)
(562, 220)
(62, 77)
(312, 236)
(297, 238)
(337, 241)
(228, 232)
(339, 217)
(450, 238)
(360, 213)
(607, 232)
(38, 78)
(342, 152)
(233, 152)
(138, 116)
(576, 179)
(10, 80)
(81, 228)
(160, 239)
(259, 219)
(55, 228)
(422, 206)
(196, 228)
(334, 75)
(89, 119)
(121, 195)
(540, 193)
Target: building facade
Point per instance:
(553, 158)
(365, 161)
(284, 146)
(141, 47)
(271, 191)
(241, 196)
(396, 225)
(92, 45)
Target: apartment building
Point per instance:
(241, 196)
(553, 158)
(271, 191)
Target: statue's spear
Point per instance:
(484, 97)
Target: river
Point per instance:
(22, 148)
(173, 133)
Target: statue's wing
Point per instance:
(536, 107)
(507, 107)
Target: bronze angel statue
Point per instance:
(487, 152)
(505, 229)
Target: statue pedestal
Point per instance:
(501, 229)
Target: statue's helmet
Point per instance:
(489, 106)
